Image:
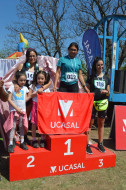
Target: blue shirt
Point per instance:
(69, 69)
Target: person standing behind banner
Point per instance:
(98, 83)
(30, 67)
(40, 79)
(69, 70)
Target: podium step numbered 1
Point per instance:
(64, 154)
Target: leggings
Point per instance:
(12, 132)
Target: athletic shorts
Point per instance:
(68, 88)
(101, 114)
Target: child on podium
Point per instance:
(17, 114)
(40, 79)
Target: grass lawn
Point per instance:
(101, 179)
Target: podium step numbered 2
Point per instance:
(64, 154)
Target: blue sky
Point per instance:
(7, 16)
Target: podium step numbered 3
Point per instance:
(64, 154)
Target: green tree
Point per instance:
(44, 23)
(89, 13)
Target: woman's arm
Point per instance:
(88, 86)
(40, 69)
(107, 91)
(58, 71)
(3, 94)
(81, 78)
(13, 105)
(20, 67)
(16, 86)
(47, 85)
(30, 95)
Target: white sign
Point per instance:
(6, 65)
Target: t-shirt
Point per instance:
(29, 75)
(69, 69)
(97, 84)
(18, 98)
(35, 99)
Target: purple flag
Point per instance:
(91, 46)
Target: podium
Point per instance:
(64, 154)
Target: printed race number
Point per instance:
(71, 77)
(68, 143)
(100, 163)
(99, 84)
(29, 165)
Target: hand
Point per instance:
(19, 111)
(17, 88)
(104, 91)
(34, 94)
(40, 90)
(1, 83)
(54, 89)
(86, 89)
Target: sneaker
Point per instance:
(11, 148)
(42, 144)
(26, 140)
(23, 146)
(88, 149)
(35, 144)
(101, 148)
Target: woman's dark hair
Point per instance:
(94, 65)
(73, 44)
(28, 53)
(47, 77)
(18, 74)
(27, 57)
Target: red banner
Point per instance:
(120, 127)
(64, 113)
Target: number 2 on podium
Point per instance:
(68, 143)
(29, 165)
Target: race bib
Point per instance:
(70, 77)
(29, 75)
(99, 84)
